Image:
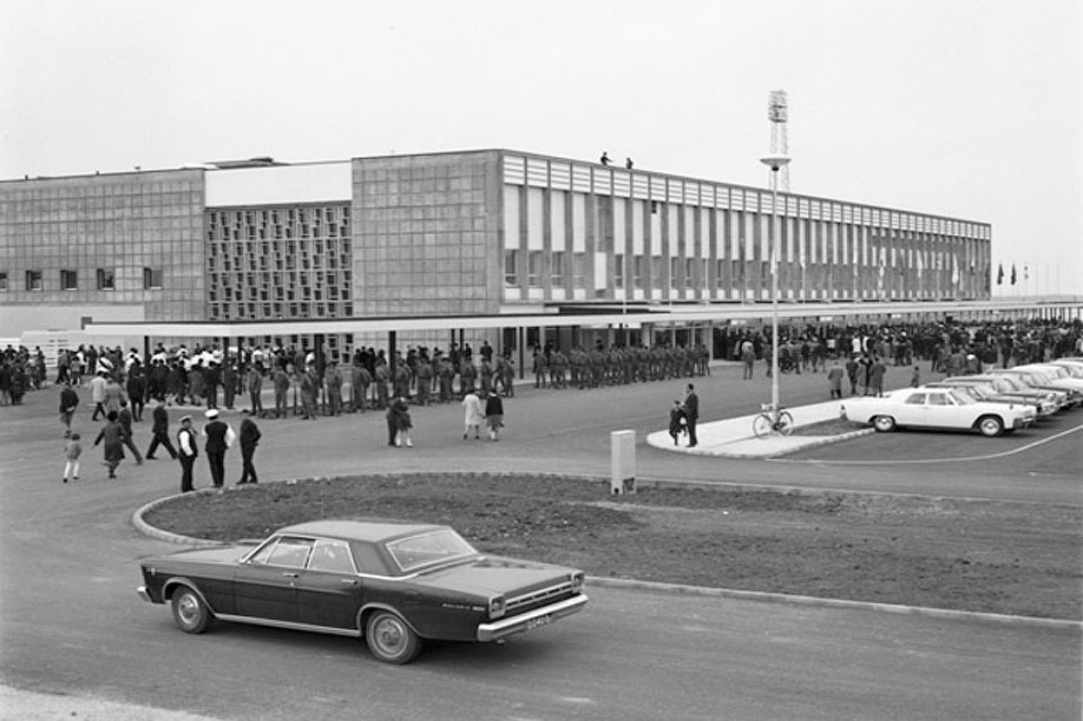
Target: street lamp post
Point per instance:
(775, 163)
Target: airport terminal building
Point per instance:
(468, 233)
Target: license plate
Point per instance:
(535, 622)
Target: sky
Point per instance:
(965, 108)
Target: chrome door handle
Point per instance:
(289, 574)
(349, 581)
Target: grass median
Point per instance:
(991, 556)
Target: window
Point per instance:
(579, 268)
(533, 267)
(331, 556)
(69, 280)
(916, 399)
(152, 278)
(511, 262)
(3, 281)
(618, 270)
(286, 551)
(637, 271)
(674, 272)
(106, 279)
(689, 272)
(33, 280)
(557, 270)
(938, 399)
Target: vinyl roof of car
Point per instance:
(369, 531)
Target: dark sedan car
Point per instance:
(394, 584)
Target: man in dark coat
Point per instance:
(249, 438)
(124, 417)
(676, 421)
(160, 431)
(137, 389)
(69, 402)
(691, 414)
(187, 450)
(219, 438)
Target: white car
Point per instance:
(939, 408)
(1054, 377)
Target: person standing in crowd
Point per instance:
(137, 389)
(254, 382)
(915, 377)
(160, 431)
(691, 414)
(72, 450)
(877, 369)
(112, 434)
(249, 438)
(282, 389)
(332, 380)
(69, 403)
(187, 451)
(677, 421)
(474, 415)
(834, 379)
(748, 359)
(851, 373)
(229, 381)
(124, 417)
(219, 438)
(97, 395)
(399, 423)
(494, 414)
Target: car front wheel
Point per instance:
(883, 424)
(990, 426)
(390, 638)
(189, 611)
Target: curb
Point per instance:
(818, 441)
(767, 597)
(659, 587)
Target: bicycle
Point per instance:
(772, 421)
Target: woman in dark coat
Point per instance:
(677, 421)
(112, 433)
(398, 420)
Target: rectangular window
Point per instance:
(69, 280)
(3, 281)
(674, 272)
(579, 269)
(511, 273)
(689, 272)
(637, 271)
(33, 280)
(557, 271)
(106, 279)
(533, 267)
(618, 270)
(152, 278)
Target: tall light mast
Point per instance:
(778, 112)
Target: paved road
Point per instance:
(71, 622)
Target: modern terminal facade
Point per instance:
(472, 233)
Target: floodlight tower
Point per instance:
(778, 112)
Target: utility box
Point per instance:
(622, 465)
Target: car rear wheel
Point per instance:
(189, 611)
(390, 639)
(883, 424)
(990, 426)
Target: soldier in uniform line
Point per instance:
(332, 379)
(219, 437)
(506, 373)
(229, 382)
(467, 374)
(282, 390)
(381, 377)
(187, 451)
(360, 380)
(540, 368)
(485, 374)
(309, 388)
(254, 383)
(424, 380)
(446, 372)
(160, 431)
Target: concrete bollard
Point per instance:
(622, 454)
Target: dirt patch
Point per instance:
(989, 556)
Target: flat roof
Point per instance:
(636, 315)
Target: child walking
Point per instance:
(72, 450)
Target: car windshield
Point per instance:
(428, 548)
(1014, 383)
(961, 398)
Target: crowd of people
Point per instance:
(306, 384)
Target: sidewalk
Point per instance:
(733, 437)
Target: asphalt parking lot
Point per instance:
(1052, 445)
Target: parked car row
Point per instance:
(1001, 400)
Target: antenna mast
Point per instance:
(778, 112)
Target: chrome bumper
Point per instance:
(142, 591)
(531, 619)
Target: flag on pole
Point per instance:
(1013, 273)
(1000, 274)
